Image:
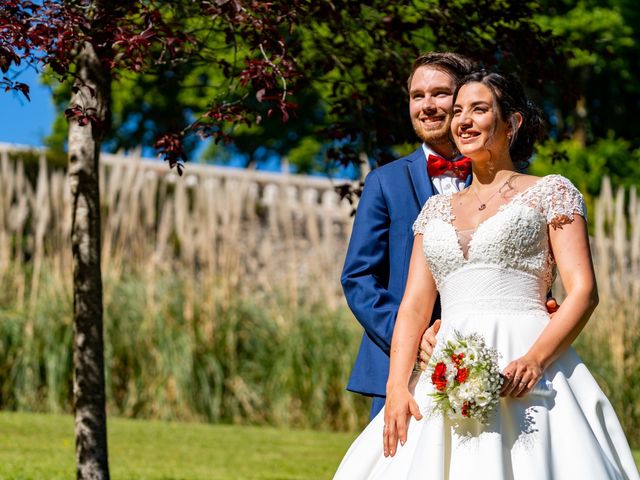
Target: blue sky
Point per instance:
(22, 121)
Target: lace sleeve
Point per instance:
(563, 200)
(437, 206)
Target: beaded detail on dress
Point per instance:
(515, 237)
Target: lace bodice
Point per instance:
(515, 237)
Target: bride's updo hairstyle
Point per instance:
(509, 97)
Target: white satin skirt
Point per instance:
(570, 432)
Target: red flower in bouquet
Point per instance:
(438, 377)
(462, 375)
(457, 359)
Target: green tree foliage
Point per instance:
(604, 50)
(591, 124)
(352, 60)
(349, 90)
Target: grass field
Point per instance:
(36, 446)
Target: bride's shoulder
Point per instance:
(436, 207)
(559, 198)
(550, 185)
(526, 181)
(554, 180)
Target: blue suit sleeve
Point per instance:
(366, 269)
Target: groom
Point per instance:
(377, 262)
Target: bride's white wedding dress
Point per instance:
(569, 432)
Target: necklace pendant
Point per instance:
(482, 206)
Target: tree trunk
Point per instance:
(93, 94)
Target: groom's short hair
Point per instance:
(454, 64)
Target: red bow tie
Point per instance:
(436, 166)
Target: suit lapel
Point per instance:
(417, 166)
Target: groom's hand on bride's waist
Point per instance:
(552, 305)
(427, 344)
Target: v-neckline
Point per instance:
(500, 209)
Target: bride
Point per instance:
(492, 251)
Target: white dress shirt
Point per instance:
(446, 183)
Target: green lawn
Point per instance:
(34, 446)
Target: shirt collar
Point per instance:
(428, 151)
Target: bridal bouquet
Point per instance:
(466, 377)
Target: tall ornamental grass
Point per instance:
(224, 360)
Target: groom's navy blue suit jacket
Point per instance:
(377, 262)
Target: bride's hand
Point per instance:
(520, 376)
(400, 406)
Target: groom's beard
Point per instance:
(432, 136)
